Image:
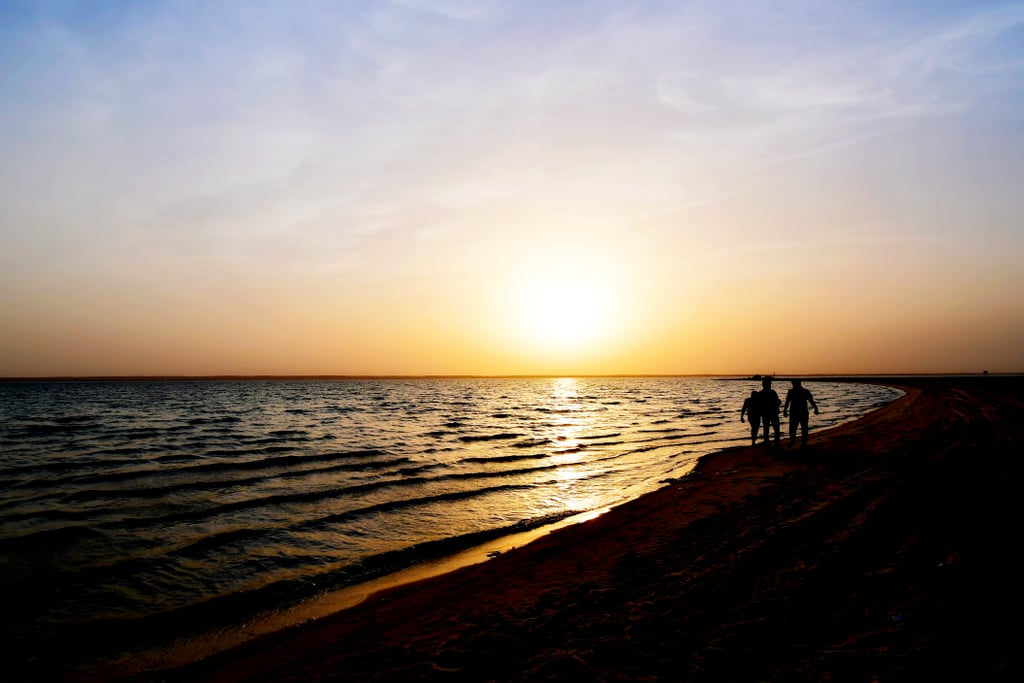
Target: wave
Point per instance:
(306, 497)
(115, 472)
(62, 465)
(217, 541)
(503, 458)
(234, 483)
(490, 437)
(48, 539)
(48, 514)
(56, 427)
(531, 443)
(104, 636)
(214, 420)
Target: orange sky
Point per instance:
(506, 188)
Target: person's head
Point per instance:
(753, 393)
(766, 383)
(796, 383)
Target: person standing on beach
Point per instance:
(750, 409)
(797, 399)
(768, 405)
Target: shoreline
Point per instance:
(211, 621)
(466, 620)
(199, 645)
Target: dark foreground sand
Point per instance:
(886, 551)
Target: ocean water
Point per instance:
(134, 512)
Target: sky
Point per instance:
(414, 187)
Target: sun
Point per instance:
(565, 307)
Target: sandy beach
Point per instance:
(882, 552)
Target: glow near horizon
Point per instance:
(415, 187)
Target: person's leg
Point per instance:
(792, 429)
(754, 425)
(804, 420)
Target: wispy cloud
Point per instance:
(471, 11)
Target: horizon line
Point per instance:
(264, 376)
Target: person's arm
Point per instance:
(813, 404)
(785, 408)
(744, 410)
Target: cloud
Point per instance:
(853, 78)
(249, 121)
(469, 11)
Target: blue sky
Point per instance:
(419, 187)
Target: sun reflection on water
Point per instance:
(565, 403)
(569, 431)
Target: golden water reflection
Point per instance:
(565, 403)
(567, 433)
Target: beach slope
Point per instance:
(885, 551)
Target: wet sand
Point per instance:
(884, 551)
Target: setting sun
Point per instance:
(563, 304)
(565, 310)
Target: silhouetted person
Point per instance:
(768, 404)
(797, 399)
(751, 410)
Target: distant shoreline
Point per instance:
(870, 377)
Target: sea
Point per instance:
(134, 514)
